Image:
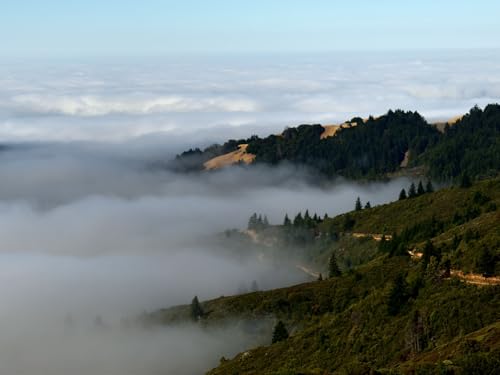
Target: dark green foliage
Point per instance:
(402, 194)
(333, 267)
(286, 221)
(196, 310)
(398, 295)
(428, 187)
(428, 252)
(368, 205)
(420, 188)
(465, 181)
(358, 206)
(257, 223)
(470, 148)
(486, 262)
(280, 332)
(353, 151)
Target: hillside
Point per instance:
(387, 311)
(371, 148)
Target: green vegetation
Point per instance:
(280, 332)
(386, 312)
(466, 151)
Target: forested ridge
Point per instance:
(376, 147)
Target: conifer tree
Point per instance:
(397, 295)
(428, 187)
(196, 310)
(368, 205)
(358, 206)
(420, 188)
(265, 222)
(287, 221)
(333, 267)
(280, 332)
(298, 221)
(412, 192)
(402, 194)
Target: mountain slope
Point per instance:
(392, 314)
(375, 147)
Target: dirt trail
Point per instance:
(375, 236)
(474, 278)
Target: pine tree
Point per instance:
(333, 267)
(320, 277)
(265, 222)
(368, 205)
(420, 188)
(196, 310)
(252, 222)
(402, 194)
(280, 332)
(412, 192)
(358, 206)
(298, 221)
(397, 295)
(428, 187)
(287, 221)
(307, 217)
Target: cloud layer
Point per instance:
(117, 100)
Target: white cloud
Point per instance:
(120, 100)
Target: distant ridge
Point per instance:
(370, 148)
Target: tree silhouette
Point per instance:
(333, 267)
(402, 194)
(358, 206)
(412, 192)
(428, 187)
(280, 332)
(196, 310)
(420, 188)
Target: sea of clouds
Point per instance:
(209, 99)
(90, 226)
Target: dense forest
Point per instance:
(376, 147)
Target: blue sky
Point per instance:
(65, 28)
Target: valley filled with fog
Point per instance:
(95, 231)
(88, 234)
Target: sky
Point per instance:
(60, 28)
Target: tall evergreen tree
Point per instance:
(428, 187)
(252, 222)
(280, 332)
(412, 192)
(298, 221)
(397, 295)
(358, 206)
(265, 222)
(402, 194)
(333, 267)
(420, 188)
(196, 310)
(287, 221)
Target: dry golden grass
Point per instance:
(235, 157)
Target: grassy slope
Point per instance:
(342, 325)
